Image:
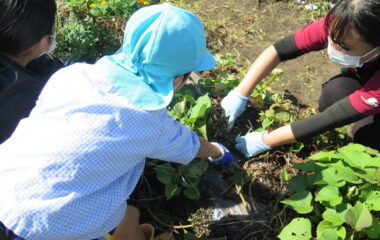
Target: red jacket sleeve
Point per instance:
(367, 99)
(313, 37)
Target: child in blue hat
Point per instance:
(95, 126)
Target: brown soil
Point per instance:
(246, 27)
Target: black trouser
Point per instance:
(365, 131)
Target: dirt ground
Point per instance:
(246, 27)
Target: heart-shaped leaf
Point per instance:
(374, 230)
(329, 176)
(300, 182)
(336, 215)
(359, 217)
(325, 226)
(300, 202)
(297, 229)
(330, 194)
(329, 234)
(322, 156)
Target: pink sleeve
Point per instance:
(313, 37)
(367, 99)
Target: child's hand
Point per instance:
(251, 144)
(225, 158)
(233, 105)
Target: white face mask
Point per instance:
(347, 60)
(52, 46)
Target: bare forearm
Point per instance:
(129, 228)
(262, 66)
(207, 149)
(280, 136)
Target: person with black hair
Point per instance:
(26, 38)
(351, 34)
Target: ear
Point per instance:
(42, 45)
(179, 82)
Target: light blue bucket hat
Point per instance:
(160, 42)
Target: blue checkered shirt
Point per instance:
(68, 169)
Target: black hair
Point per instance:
(186, 75)
(362, 15)
(23, 23)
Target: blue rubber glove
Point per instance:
(251, 144)
(225, 159)
(233, 105)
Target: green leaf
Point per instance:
(296, 147)
(283, 116)
(371, 175)
(165, 173)
(178, 110)
(330, 234)
(374, 230)
(284, 175)
(190, 182)
(297, 229)
(326, 226)
(372, 200)
(323, 156)
(309, 166)
(330, 194)
(270, 113)
(375, 162)
(372, 151)
(195, 169)
(192, 193)
(329, 176)
(239, 177)
(356, 159)
(346, 173)
(358, 217)
(353, 147)
(267, 122)
(300, 182)
(201, 108)
(300, 202)
(171, 190)
(277, 72)
(336, 215)
(201, 128)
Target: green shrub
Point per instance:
(340, 192)
(186, 178)
(88, 29)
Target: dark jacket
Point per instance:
(20, 88)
